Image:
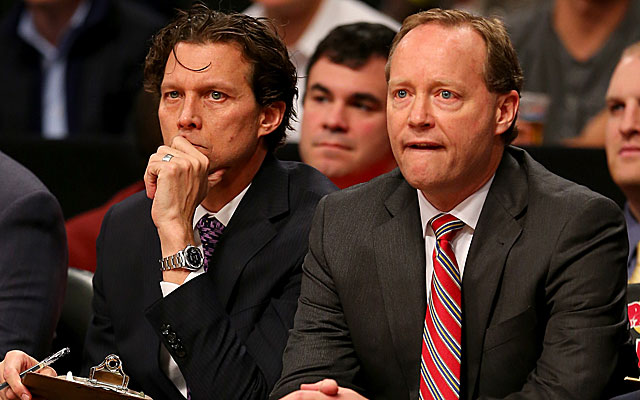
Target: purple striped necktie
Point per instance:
(210, 230)
(442, 333)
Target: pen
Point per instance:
(44, 363)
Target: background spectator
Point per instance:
(344, 128)
(302, 24)
(72, 67)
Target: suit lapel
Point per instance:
(250, 228)
(497, 230)
(400, 261)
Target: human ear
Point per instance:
(506, 110)
(271, 117)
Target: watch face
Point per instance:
(194, 257)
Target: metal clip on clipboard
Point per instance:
(106, 381)
(109, 375)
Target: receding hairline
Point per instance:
(461, 26)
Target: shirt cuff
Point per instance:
(168, 287)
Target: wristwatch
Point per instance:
(190, 258)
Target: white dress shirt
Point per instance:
(54, 68)
(167, 363)
(468, 211)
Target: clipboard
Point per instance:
(106, 381)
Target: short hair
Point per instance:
(502, 72)
(353, 45)
(273, 76)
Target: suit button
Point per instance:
(180, 351)
(165, 329)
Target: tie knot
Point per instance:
(446, 226)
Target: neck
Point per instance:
(364, 176)
(584, 26)
(446, 197)
(293, 19)
(233, 182)
(52, 20)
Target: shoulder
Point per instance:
(553, 198)
(370, 202)
(303, 177)
(133, 205)
(18, 181)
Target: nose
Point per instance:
(189, 117)
(630, 124)
(335, 119)
(420, 115)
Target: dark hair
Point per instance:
(502, 72)
(273, 76)
(353, 44)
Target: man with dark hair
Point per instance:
(212, 325)
(302, 24)
(471, 271)
(344, 129)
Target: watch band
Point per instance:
(191, 258)
(173, 261)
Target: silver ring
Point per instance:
(167, 157)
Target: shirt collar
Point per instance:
(468, 211)
(225, 213)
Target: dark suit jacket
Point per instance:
(33, 261)
(543, 290)
(231, 323)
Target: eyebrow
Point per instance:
(357, 96)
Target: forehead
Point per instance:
(436, 51)
(625, 81)
(369, 77)
(222, 60)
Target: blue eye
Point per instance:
(216, 95)
(401, 93)
(446, 94)
(173, 94)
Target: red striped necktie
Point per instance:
(442, 334)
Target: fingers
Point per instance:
(326, 386)
(10, 368)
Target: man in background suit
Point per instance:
(216, 330)
(33, 261)
(534, 306)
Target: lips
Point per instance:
(630, 150)
(424, 146)
(333, 145)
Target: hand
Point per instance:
(177, 187)
(15, 362)
(324, 389)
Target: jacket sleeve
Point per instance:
(319, 345)
(585, 295)
(33, 270)
(199, 335)
(100, 338)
